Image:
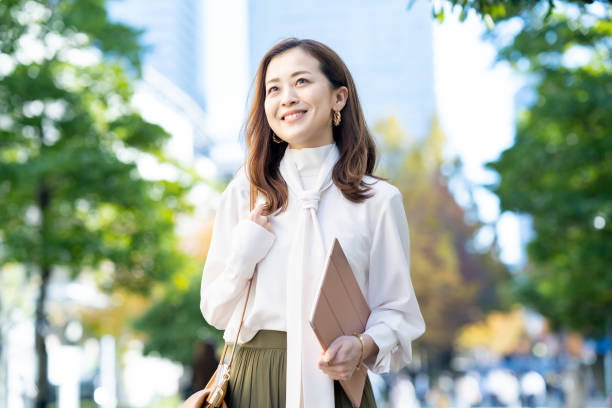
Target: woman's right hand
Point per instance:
(257, 217)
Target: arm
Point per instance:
(236, 247)
(371, 349)
(396, 319)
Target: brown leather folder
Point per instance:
(340, 309)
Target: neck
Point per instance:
(326, 139)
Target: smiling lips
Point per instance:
(293, 116)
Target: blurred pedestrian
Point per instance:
(403, 394)
(467, 390)
(204, 365)
(503, 386)
(533, 389)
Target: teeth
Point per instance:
(295, 115)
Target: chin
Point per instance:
(293, 137)
(293, 141)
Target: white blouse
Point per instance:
(373, 235)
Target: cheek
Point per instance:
(318, 98)
(270, 110)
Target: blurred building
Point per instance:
(210, 50)
(171, 37)
(171, 93)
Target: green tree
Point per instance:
(70, 191)
(168, 320)
(493, 11)
(559, 170)
(175, 324)
(453, 281)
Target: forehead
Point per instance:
(295, 59)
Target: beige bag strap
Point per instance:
(253, 197)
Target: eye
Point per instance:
(301, 79)
(272, 88)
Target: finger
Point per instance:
(341, 371)
(338, 375)
(261, 219)
(334, 368)
(332, 371)
(329, 368)
(322, 363)
(258, 218)
(256, 211)
(259, 208)
(330, 353)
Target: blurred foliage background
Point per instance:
(74, 203)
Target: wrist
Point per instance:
(363, 349)
(371, 349)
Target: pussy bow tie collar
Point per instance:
(307, 385)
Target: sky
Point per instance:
(475, 102)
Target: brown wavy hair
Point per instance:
(354, 142)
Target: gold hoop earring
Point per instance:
(337, 118)
(276, 139)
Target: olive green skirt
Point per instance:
(258, 375)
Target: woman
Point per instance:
(311, 158)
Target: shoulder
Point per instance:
(235, 197)
(382, 192)
(386, 206)
(238, 185)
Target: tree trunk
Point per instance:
(3, 370)
(42, 384)
(608, 359)
(575, 393)
(42, 396)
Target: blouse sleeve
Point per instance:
(395, 318)
(236, 246)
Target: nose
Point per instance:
(288, 96)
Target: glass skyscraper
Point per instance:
(172, 36)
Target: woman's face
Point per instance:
(300, 99)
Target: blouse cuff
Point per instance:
(250, 245)
(387, 344)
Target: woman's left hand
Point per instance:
(343, 355)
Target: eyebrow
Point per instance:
(292, 75)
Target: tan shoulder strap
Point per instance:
(253, 199)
